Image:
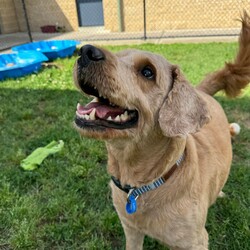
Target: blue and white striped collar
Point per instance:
(134, 192)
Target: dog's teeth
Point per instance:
(124, 117)
(92, 114)
(118, 118)
(86, 117)
(78, 105)
(95, 100)
(102, 96)
(79, 115)
(110, 118)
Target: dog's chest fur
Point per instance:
(159, 218)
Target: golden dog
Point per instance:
(169, 144)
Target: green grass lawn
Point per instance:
(66, 203)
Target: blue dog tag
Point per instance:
(131, 205)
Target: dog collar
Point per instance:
(134, 192)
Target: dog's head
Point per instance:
(135, 93)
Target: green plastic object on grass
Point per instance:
(38, 155)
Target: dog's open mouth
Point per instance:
(100, 113)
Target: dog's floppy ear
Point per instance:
(183, 111)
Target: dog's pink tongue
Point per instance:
(102, 111)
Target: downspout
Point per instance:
(144, 20)
(120, 15)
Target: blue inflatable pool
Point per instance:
(19, 64)
(51, 49)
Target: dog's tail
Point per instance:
(234, 76)
(234, 129)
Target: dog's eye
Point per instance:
(147, 72)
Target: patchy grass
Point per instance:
(66, 203)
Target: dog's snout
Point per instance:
(90, 54)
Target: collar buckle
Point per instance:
(132, 193)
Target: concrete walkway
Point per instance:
(105, 38)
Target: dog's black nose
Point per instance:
(90, 54)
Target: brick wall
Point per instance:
(8, 19)
(132, 15)
(48, 12)
(161, 14)
(110, 13)
(194, 14)
(174, 15)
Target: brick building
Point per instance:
(40, 13)
(121, 15)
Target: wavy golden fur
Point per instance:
(235, 76)
(173, 118)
